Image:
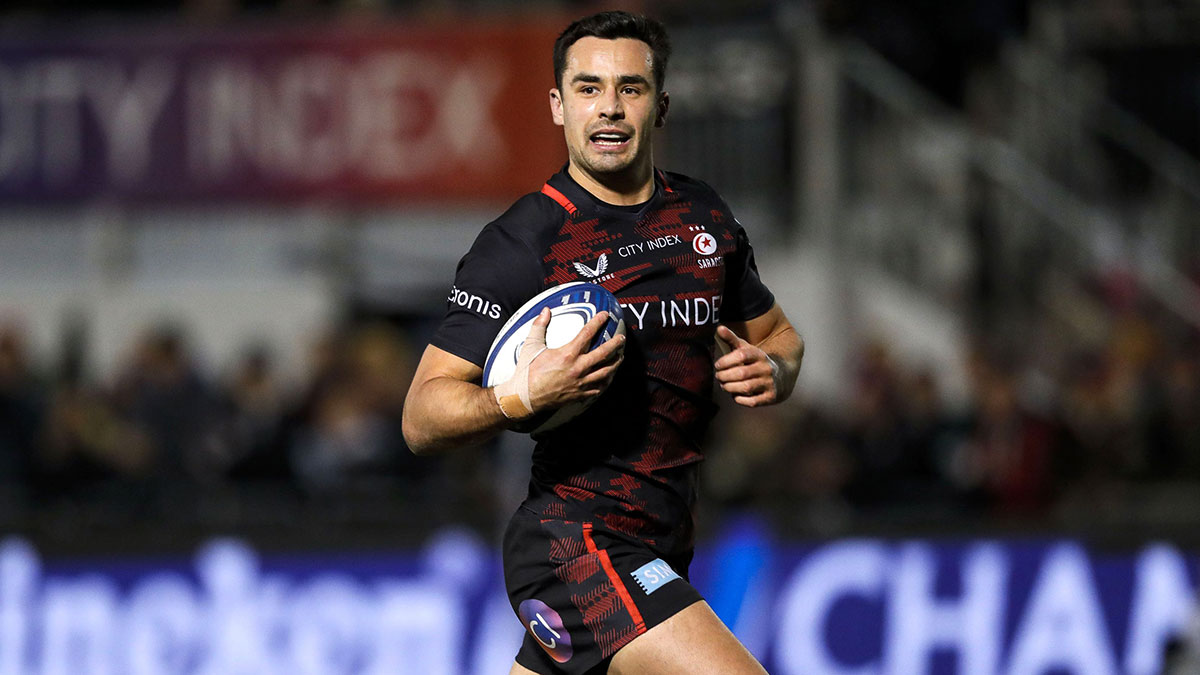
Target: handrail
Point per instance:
(1163, 157)
(1003, 163)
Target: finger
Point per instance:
(580, 342)
(765, 398)
(599, 377)
(748, 355)
(750, 371)
(737, 374)
(603, 374)
(729, 337)
(594, 391)
(733, 359)
(537, 330)
(746, 387)
(610, 349)
(730, 375)
(590, 397)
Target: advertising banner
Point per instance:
(425, 112)
(854, 607)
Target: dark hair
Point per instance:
(610, 26)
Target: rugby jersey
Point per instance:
(679, 264)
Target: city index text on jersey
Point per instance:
(673, 313)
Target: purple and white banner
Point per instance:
(852, 607)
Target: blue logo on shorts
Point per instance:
(546, 626)
(653, 575)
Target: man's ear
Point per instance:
(556, 106)
(664, 103)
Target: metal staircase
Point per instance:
(1039, 152)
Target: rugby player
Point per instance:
(596, 557)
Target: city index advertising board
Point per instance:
(392, 112)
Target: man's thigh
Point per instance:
(693, 641)
(582, 593)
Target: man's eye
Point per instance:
(631, 91)
(588, 90)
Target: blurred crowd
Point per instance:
(1057, 430)
(165, 438)
(1052, 427)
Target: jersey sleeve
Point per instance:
(496, 276)
(745, 297)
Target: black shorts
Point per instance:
(583, 591)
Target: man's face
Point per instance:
(608, 105)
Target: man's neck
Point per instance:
(626, 189)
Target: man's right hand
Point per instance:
(446, 408)
(571, 373)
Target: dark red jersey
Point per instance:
(679, 264)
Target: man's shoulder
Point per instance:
(524, 227)
(530, 216)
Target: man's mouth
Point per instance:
(610, 139)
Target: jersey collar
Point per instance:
(572, 196)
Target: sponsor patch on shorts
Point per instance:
(546, 626)
(653, 575)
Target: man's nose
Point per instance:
(611, 107)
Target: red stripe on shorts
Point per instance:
(640, 625)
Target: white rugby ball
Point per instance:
(571, 307)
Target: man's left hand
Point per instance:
(746, 372)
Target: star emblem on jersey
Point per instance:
(704, 244)
(601, 267)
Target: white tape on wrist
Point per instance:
(513, 394)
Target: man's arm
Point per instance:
(447, 408)
(763, 361)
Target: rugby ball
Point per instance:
(571, 307)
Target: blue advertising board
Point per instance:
(853, 607)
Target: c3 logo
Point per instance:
(546, 626)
